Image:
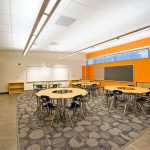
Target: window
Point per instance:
(139, 54)
(149, 53)
(123, 56)
(90, 61)
(110, 58)
(136, 54)
(99, 60)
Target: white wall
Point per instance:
(11, 71)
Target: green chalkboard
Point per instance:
(119, 73)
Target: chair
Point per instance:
(76, 105)
(92, 90)
(37, 88)
(45, 104)
(107, 97)
(118, 97)
(53, 85)
(95, 88)
(143, 100)
(85, 102)
(100, 89)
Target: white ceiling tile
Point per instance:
(23, 16)
(6, 42)
(5, 28)
(5, 19)
(4, 7)
(4, 37)
(101, 5)
(141, 5)
(26, 8)
(18, 23)
(79, 13)
(63, 6)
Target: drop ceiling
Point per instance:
(75, 24)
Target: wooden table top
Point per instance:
(49, 92)
(128, 89)
(49, 83)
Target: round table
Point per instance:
(51, 94)
(128, 89)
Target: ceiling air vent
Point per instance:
(65, 21)
(53, 43)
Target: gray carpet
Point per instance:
(102, 130)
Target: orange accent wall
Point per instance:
(141, 66)
(141, 71)
(87, 72)
(119, 48)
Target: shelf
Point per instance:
(16, 87)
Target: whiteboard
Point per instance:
(34, 74)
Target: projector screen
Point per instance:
(34, 74)
(119, 73)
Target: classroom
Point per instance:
(75, 75)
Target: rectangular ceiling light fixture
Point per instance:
(29, 45)
(50, 6)
(47, 9)
(39, 26)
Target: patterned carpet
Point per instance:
(102, 130)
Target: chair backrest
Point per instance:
(148, 94)
(77, 98)
(117, 92)
(39, 86)
(88, 90)
(78, 85)
(94, 85)
(54, 86)
(45, 98)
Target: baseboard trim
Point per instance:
(8, 92)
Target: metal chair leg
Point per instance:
(111, 105)
(141, 108)
(89, 106)
(70, 120)
(53, 118)
(125, 107)
(82, 113)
